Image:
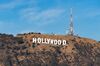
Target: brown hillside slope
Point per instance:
(78, 51)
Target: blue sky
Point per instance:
(47, 16)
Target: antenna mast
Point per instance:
(71, 29)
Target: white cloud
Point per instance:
(43, 17)
(8, 5)
(4, 25)
(94, 13)
(89, 13)
(15, 3)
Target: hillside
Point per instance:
(20, 51)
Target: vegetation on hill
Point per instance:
(16, 51)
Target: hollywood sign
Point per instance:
(49, 41)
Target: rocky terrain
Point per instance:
(19, 51)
